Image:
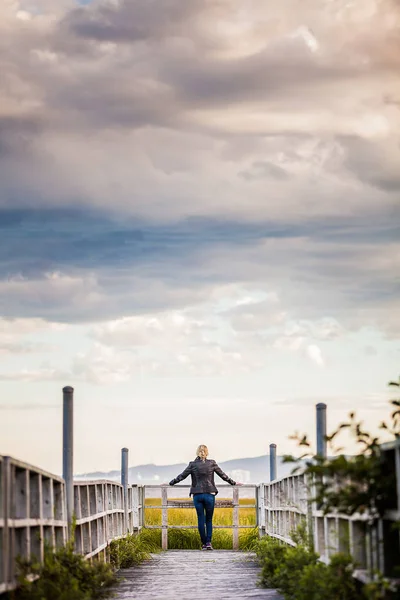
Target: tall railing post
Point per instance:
(124, 482)
(272, 462)
(321, 429)
(6, 557)
(68, 451)
(322, 452)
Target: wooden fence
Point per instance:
(285, 503)
(33, 514)
(36, 508)
(167, 504)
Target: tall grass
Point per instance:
(132, 550)
(189, 539)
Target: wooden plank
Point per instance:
(194, 574)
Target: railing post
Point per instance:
(124, 482)
(261, 488)
(142, 503)
(164, 517)
(272, 462)
(68, 451)
(135, 508)
(321, 451)
(321, 429)
(235, 535)
(7, 557)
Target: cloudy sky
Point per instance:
(199, 216)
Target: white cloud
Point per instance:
(35, 375)
(104, 365)
(291, 343)
(155, 329)
(15, 335)
(321, 329)
(315, 354)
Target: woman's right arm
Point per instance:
(182, 476)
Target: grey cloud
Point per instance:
(352, 283)
(132, 20)
(74, 92)
(285, 74)
(375, 162)
(148, 127)
(17, 134)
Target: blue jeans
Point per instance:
(204, 505)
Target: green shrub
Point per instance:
(328, 582)
(289, 572)
(271, 554)
(381, 589)
(63, 575)
(313, 583)
(340, 576)
(297, 573)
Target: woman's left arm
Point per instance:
(223, 475)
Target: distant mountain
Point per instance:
(246, 470)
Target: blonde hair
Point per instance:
(202, 452)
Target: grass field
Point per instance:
(189, 538)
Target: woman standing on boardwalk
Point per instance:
(204, 491)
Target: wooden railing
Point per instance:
(167, 504)
(100, 515)
(286, 503)
(33, 514)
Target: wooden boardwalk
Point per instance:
(194, 575)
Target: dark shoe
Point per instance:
(208, 546)
(203, 547)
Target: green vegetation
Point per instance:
(132, 550)
(298, 575)
(63, 575)
(344, 484)
(352, 484)
(188, 539)
(187, 516)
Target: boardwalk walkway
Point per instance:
(194, 575)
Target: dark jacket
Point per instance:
(202, 473)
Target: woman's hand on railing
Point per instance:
(238, 483)
(165, 483)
